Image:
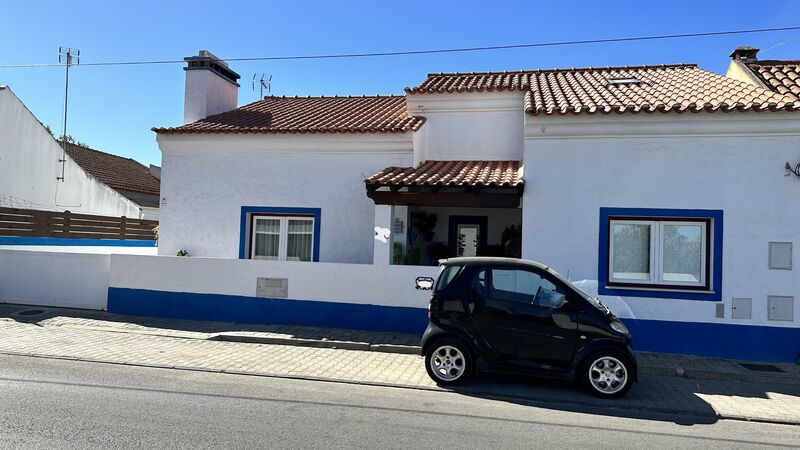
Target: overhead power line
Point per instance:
(433, 51)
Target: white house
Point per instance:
(33, 175)
(781, 76)
(663, 188)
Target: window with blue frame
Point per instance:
(646, 252)
(277, 233)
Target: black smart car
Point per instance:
(517, 316)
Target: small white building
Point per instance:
(36, 173)
(663, 188)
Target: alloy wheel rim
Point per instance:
(608, 375)
(448, 363)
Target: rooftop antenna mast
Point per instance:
(263, 81)
(68, 57)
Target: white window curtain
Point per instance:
(300, 237)
(267, 238)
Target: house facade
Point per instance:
(662, 189)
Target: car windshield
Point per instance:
(592, 300)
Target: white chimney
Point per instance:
(211, 87)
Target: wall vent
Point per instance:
(780, 255)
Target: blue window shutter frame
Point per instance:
(716, 217)
(247, 210)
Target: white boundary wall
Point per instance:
(81, 280)
(71, 280)
(365, 284)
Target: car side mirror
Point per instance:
(568, 306)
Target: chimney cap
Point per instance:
(207, 60)
(745, 52)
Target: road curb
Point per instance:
(533, 400)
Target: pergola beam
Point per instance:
(510, 199)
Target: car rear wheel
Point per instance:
(448, 362)
(606, 374)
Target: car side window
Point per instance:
(478, 285)
(525, 286)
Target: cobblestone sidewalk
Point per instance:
(711, 399)
(649, 363)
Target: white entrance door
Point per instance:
(468, 239)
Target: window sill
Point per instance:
(659, 292)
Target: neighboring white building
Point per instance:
(32, 175)
(661, 187)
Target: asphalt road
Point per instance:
(48, 403)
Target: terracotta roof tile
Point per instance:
(782, 76)
(665, 88)
(376, 114)
(115, 171)
(452, 173)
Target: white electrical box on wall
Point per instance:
(741, 308)
(780, 308)
(780, 255)
(272, 287)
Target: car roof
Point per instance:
(493, 260)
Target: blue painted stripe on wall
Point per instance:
(73, 242)
(241, 309)
(751, 342)
(756, 343)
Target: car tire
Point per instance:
(448, 362)
(606, 374)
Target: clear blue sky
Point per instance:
(113, 108)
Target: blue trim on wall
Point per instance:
(244, 222)
(716, 258)
(74, 242)
(750, 342)
(241, 309)
(757, 343)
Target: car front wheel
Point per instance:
(448, 362)
(606, 374)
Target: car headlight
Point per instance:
(619, 327)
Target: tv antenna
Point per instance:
(262, 80)
(67, 56)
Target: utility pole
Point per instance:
(68, 57)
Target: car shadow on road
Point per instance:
(654, 397)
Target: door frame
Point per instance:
(456, 220)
